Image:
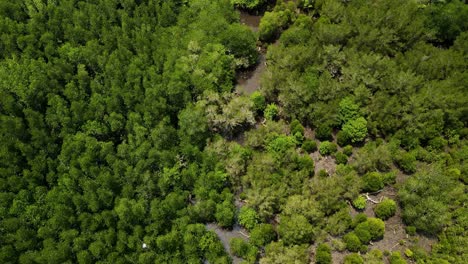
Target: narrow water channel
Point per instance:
(248, 80)
(225, 237)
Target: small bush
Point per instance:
(262, 235)
(295, 127)
(239, 247)
(258, 100)
(395, 258)
(359, 218)
(323, 173)
(299, 137)
(348, 150)
(309, 145)
(352, 241)
(353, 259)
(323, 132)
(327, 148)
(373, 182)
(385, 209)
(360, 203)
(341, 158)
(407, 162)
(342, 139)
(248, 218)
(362, 232)
(376, 228)
(389, 177)
(411, 230)
(271, 111)
(323, 254)
(338, 245)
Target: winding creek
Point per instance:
(248, 81)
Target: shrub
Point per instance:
(299, 137)
(362, 232)
(239, 247)
(341, 158)
(323, 254)
(248, 218)
(359, 218)
(309, 145)
(271, 111)
(281, 144)
(389, 177)
(348, 150)
(295, 127)
(258, 100)
(356, 130)
(353, 258)
(262, 235)
(342, 138)
(395, 258)
(385, 209)
(373, 182)
(323, 132)
(339, 222)
(411, 230)
(323, 173)
(376, 228)
(295, 230)
(327, 148)
(407, 162)
(371, 229)
(338, 245)
(360, 202)
(352, 241)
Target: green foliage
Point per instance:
(348, 150)
(341, 158)
(385, 209)
(323, 254)
(411, 230)
(406, 161)
(356, 129)
(262, 234)
(296, 127)
(448, 19)
(281, 144)
(225, 214)
(339, 222)
(353, 258)
(248, 217)
(239, 247)
(272, 23)
(248, 4)
(396, 258)
(327, 148)
(352, 241)
(271, 111)
(240, 41)
(426, 196)
(278, 253)
(258, 100)
(348, 110)
(360, 202)
(309, 145)
(323, 132)
(295, 229)
(373, 182)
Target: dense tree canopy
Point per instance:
(125, 140)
